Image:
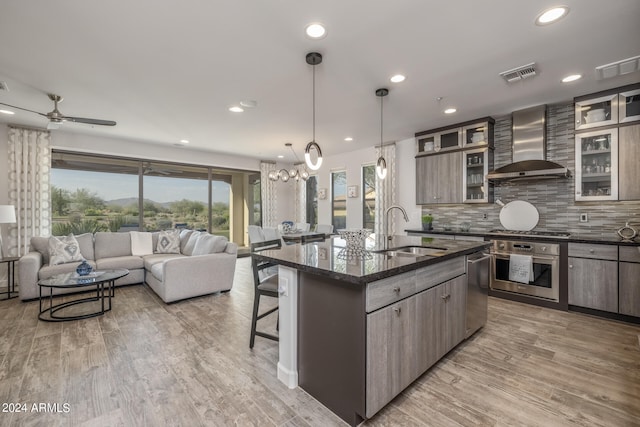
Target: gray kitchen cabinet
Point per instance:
(593, 276)
(629, 159)
(391, 352)
(439, 178)
(629, 275)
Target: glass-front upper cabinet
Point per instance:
(595, 112)
(477, 135)
(441, 141)
(474, 180)
(597, 165)
(629, 106)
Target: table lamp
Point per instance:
(7, 216)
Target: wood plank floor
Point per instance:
(188, 364)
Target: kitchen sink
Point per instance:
(414, 251)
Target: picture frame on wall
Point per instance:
(352, 191)
(322, 193)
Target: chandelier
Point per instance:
(294, 173)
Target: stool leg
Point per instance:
(254, 319)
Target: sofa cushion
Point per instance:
(50, 270)
(168, 242)
(209, 244)
(151, 260)
(109, 244)
(191, 243)
(184, 238)
(156, 271)
(141, 243)
(130, 262)
(64, 249)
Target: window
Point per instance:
(312, 201)
(97, 193)
(369, 196)
(339, 199)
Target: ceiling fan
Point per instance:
(56, 117)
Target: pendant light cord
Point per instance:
(381, 100)
(314, 104)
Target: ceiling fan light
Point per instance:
(381, 168)
(307, 156)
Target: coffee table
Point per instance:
(102, 280)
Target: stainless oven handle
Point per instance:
(501, 256)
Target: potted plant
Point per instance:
(427, 221)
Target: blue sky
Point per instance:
(110, 186)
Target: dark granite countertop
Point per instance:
(333, 259)
(605, 238)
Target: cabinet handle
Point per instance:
(570, 265)
(396, 290)
(445, 297)
(398, 310)
(591, 251)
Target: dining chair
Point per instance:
(325, 229)
(264, 285)
(303, 226)
(255, 234)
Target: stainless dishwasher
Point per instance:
(478, 274)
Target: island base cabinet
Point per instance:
(391, 353)
(630, 289)
(407, 338)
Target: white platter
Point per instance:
(519, 216)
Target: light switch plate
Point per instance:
(584, 217)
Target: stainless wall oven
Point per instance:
(546, 266)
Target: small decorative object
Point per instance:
(352, 191)
(84, 268)
(465, 226)
(322, 193)
(427, 222)
(355, 237)
(627, 233)
(287, 227)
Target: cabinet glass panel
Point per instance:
(426, 143)
(475, 135)
(629, 106)
(449, 140)
(597, 165)
(475, 182)
(597, 112)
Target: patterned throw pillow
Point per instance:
(168, 242)
(63, 250)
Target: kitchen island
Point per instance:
(358, 325)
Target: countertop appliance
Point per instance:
(545, 265)
(478, 279)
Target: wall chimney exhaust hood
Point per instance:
(529, 148)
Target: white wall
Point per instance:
(4, 164)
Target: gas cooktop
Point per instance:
(535, 233)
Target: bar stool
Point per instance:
(265, 284)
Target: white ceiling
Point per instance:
(169, 70)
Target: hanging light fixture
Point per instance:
(381, 165)
(293, 173)
(313, 58)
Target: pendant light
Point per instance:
(381, 165)
(313, 58)
(293, 173)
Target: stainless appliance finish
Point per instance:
(529, 148)
(478, 278)
(546, 266)
(536, 233)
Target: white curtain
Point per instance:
(386, 189)
(269, 193)
(29, 187)
(301, 199)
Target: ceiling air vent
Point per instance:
(519, 73)
(624, 66)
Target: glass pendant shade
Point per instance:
(381, 168)
(381, 165)
(307, 156)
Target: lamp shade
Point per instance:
(7, 214)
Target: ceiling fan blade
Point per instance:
(24, 109)
(89, 121)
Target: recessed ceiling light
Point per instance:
(7, 112)
(552, 15)
(397, 78)
(450, 111)
(280, 156)
(184, 141)
(316, 30)
(236, 109)
(348, 139)
(572, 78)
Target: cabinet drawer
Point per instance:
(588, 250)
(432, 275)
(386, 291)
(630, 253)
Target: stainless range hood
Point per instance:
(529, 148)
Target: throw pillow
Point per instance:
(209, 244)
(168, 242)
(184, 238)
(191, 243)
(63, 250)
(141, 243)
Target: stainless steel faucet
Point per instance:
(386, 220)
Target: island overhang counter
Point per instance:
(358, 324)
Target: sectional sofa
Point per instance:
(203, 265)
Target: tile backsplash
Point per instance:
(554, 198)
